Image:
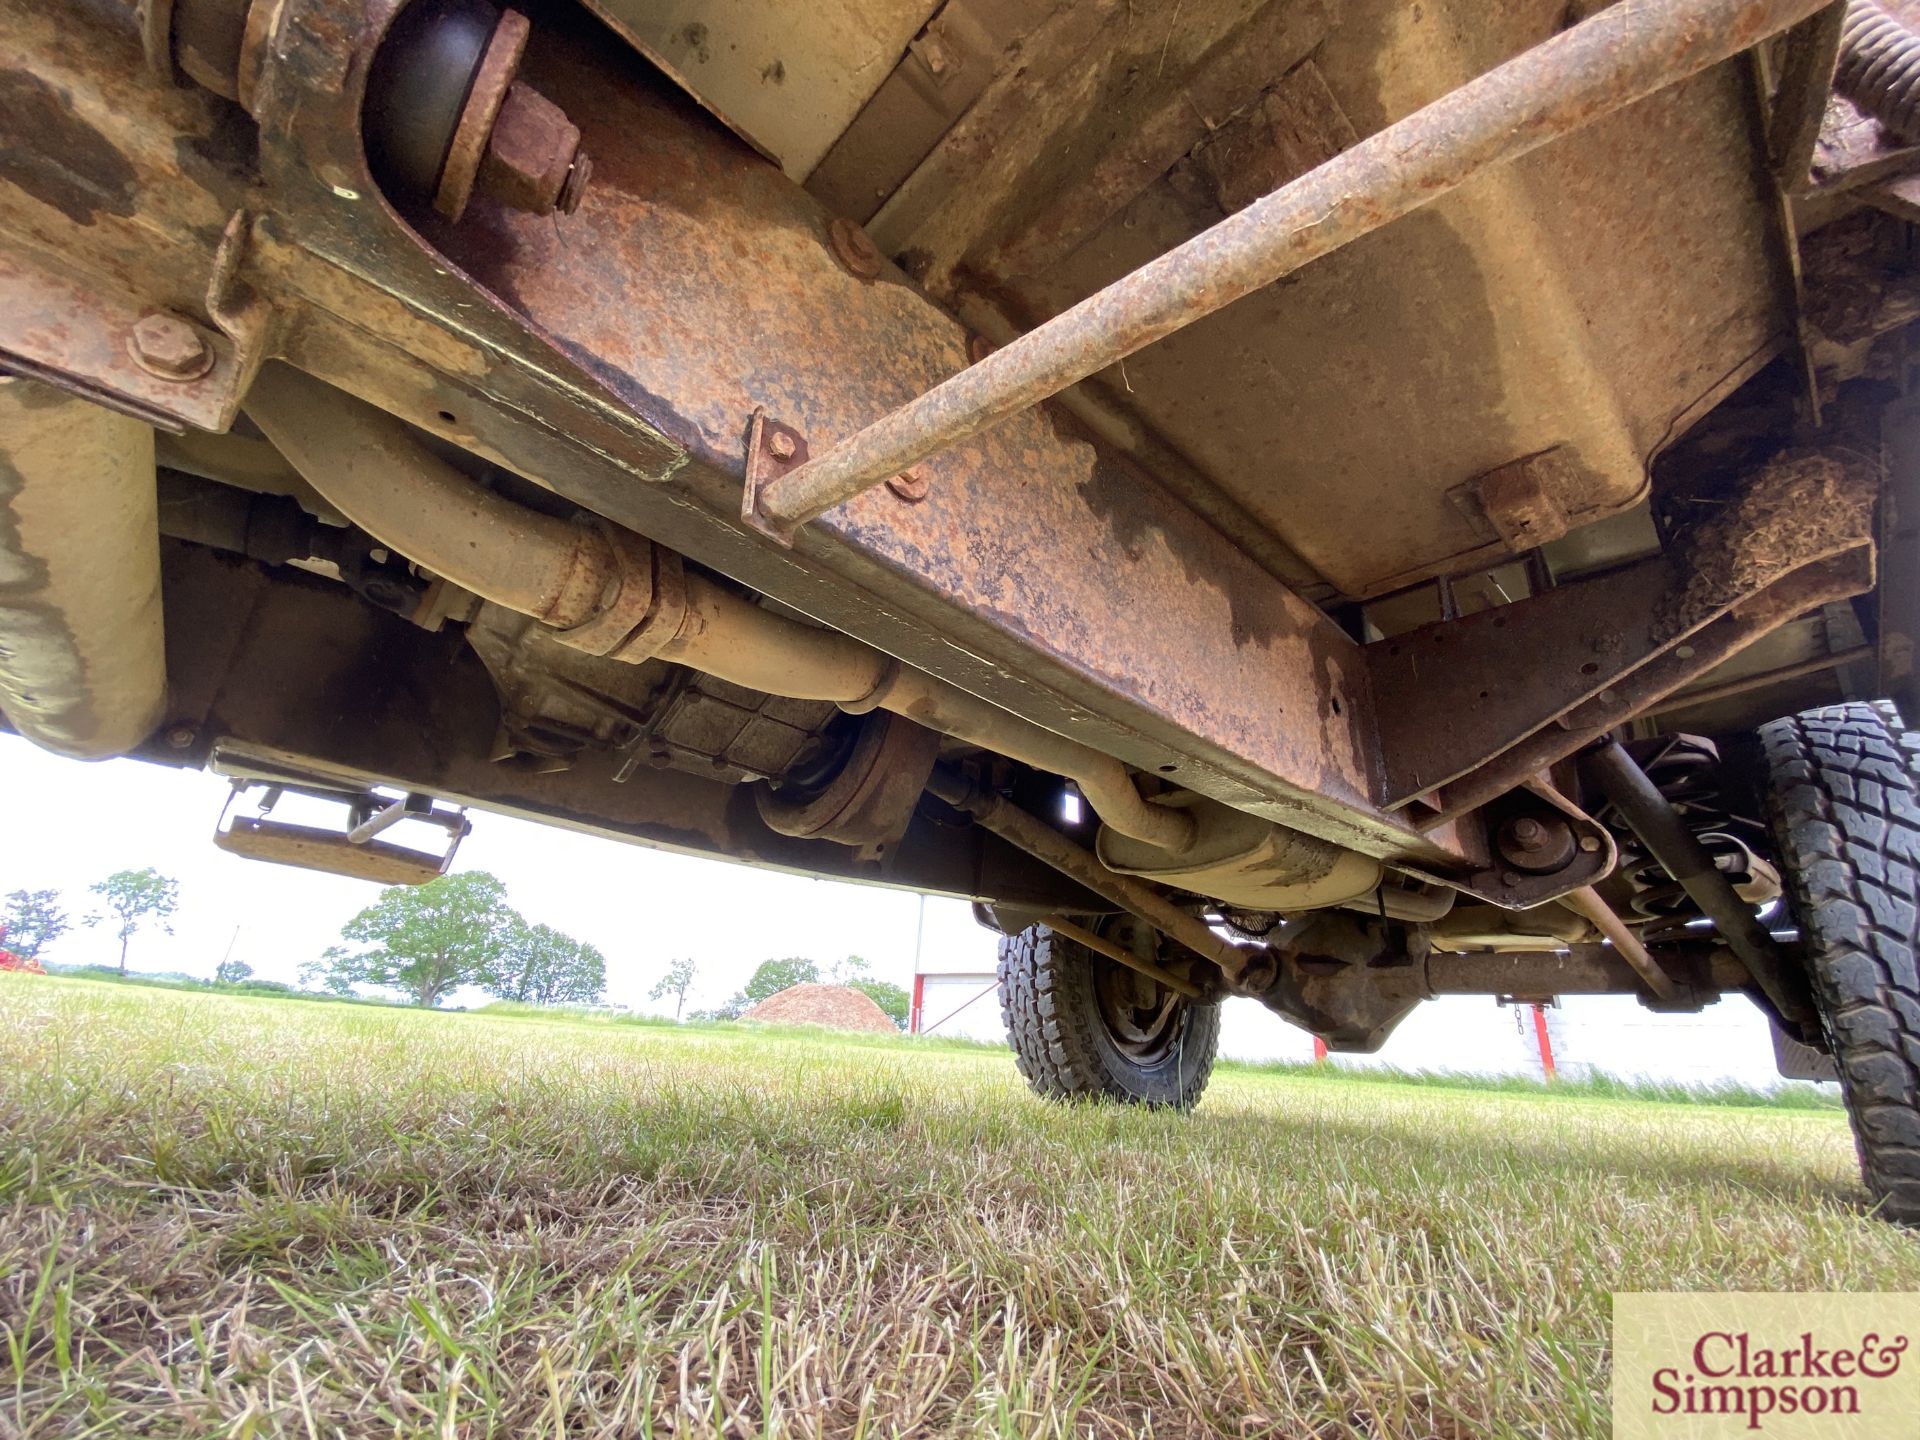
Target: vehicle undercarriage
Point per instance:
(1319, 500)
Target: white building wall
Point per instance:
(961, 1006)
(1728, 1041)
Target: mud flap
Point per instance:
(1796, 1061)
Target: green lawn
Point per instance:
(230, 1215)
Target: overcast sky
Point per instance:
(640, 907)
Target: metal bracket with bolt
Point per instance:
(774, 449)
(448, 119)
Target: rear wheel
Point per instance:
(1083, 1025)
(1845, 811)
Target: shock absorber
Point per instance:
(1686, 770)
(1666, 832)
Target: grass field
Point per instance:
(224, 1215)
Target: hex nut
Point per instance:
(911, 486)
(533, 160)
(781, 445)
(855, 250)
(167, 346)
(1536, 846)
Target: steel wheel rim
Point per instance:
(1144, 1033)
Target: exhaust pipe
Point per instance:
(614, 594)
(367, 465)
(83, 667)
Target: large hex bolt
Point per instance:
(167, 346)
(854, 249)
(534, 161)
(512, 142)
(1537, 846)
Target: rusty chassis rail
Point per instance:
(614, 355)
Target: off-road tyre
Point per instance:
(1844, 806)
(1063, 1043)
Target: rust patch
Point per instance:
(1294, 127)
(226, 155)
(1804, 506)
(1117, 492)
(1520, 500)
(57, 158)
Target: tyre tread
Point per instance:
(1047, 1009)
(1845, 808)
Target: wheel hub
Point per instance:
(1141, 1017)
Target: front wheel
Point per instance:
(1082, 1025)
(1845, 808)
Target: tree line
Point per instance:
(424, 941)
(428, 941)
(127, 901)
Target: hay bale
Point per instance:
(837, 1007)
(1803, 506)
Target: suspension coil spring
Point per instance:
(1686, 770)
(1662, 900)
(1879, 67)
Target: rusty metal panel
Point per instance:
(945, 70)
(86, 187)
(789, 84)
(617, 356)
(1562, 305)
(1836, 578)
(1592, 300)
(1447, 691)
(1586, 73)
(84, 336)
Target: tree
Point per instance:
(426, 940)
(773, 976)
(676, 982)
(890, 998)
(540, 966)
(133, 897)
(232, 972)
(33, 920)
(850, 971)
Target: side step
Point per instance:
(354, 849)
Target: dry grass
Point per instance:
(234, 1216)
